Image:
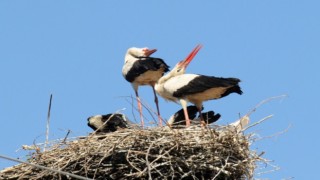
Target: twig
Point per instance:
(275, 168)
(265, 101)
(133, 108)
(45, 168)
(65, 138)
(147, 159)
(256, 123)
(98, 129)
(48, 124)
(146, 106)
(276, 134)
(150, 110)
(221, 169)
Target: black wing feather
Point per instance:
(203, 83)
(145, 64)
(210, 117)
(179, 118)
(115, 121)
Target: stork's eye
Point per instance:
(178, 70)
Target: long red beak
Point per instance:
(190, 57)
(148, 52)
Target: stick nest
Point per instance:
(157, 153)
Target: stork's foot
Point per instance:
(203, 123)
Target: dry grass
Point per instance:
(219, 152)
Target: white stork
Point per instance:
(140, 69)
(177, 86)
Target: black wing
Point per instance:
(179, 118)
(203, 83)
(209, 117)
(114, 121)
(145, 64)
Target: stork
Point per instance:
(110, 123)
(140, 69)
(178, 119)
(178, 86)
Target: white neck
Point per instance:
(176, 71)
(165, 78)
(133, 54)
(129, 58)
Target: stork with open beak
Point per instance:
(178, 86)
(140, 69)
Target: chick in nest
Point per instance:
(178, 119)
(113, 122)
(109, 122)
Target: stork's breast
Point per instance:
(149, 77)
(212, 93)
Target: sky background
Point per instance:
(75, 51)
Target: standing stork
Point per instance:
(140, 69)
(177, 86)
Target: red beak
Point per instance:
(190, 57)
(148, 52)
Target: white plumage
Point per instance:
(167, 88)
(139, 69)
(194, 88)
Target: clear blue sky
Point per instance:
(75, 50)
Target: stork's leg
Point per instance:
(140, 108)
(157, 104)
(184, 107)
(202, 121)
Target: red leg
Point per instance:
(202, 122)
(184, 106)
(140, 109)
(157, 104)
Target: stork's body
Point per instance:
(179, 87)
(109, 122)
(139, 69)
(196, 88)
(178, 119)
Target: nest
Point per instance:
(157, 153)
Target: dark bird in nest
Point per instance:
(109, 123)
(178, 119)
(113, 122)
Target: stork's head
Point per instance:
(140, 52)
(134, 53)
(181, 66)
